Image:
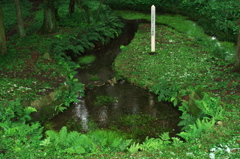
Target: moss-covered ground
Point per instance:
(189, 58)
(184, 56)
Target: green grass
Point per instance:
(187, 57)
(184, 56)
(26, 74)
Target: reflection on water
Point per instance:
(81, 113)
(132, 108)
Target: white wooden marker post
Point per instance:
(153, 14)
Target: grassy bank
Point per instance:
(185, 59)
(188, 58)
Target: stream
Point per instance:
(117, 105)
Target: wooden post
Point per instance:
(153, 14)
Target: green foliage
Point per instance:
(16, 134)
(64, 142)
(152, 144)
(166, 91)
(85, 60)
(103, 100)
(12, 110)
(138, 126)
(37, 21)
(194, 131)
(9, 12)
(210, 111)
(176, 64)
(109, 141)
(77, 42)
(218, 18)
(94, 78)
(136, 120)
(96, 142)
(100, 27)
(76, 89)
(17, 138)
(220, 15)
(210, 106)
(228, 150)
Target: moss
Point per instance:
(85, 60)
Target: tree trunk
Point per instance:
(3, 45)
(71, 6)
(49, 23)
(19, 19)
(236, 67)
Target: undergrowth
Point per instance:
(185, 70)
(184, 60)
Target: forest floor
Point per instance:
(187, 57)
(27, 73)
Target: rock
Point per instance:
(47, 56)
(110, 82)
(114, 80)
(219, 123)
(122, 81)
(46, 105)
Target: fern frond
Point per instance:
(135, 147)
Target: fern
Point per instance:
(210, 110)
(109, 141)
(210, 106)
(165, 137)
(135, 147)
(165, 91)
(195, 130)
(63, 138)
(152, 144)
(187, 119)
(176, 141)
(5, 126)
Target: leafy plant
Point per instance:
(64, 142)
(152, 144)
(100, 29)
(218, 18)
(13, 111)
(197, 128)
(210, 111)
(109, 141)
(95, 142)
(9, 12)
(16, 133)
(211, 106)
(136, 119)
(166, 91)
(103, 100)
(94, 78)
(86, 59)
(76, 89)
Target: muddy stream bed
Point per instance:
(117, 105)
